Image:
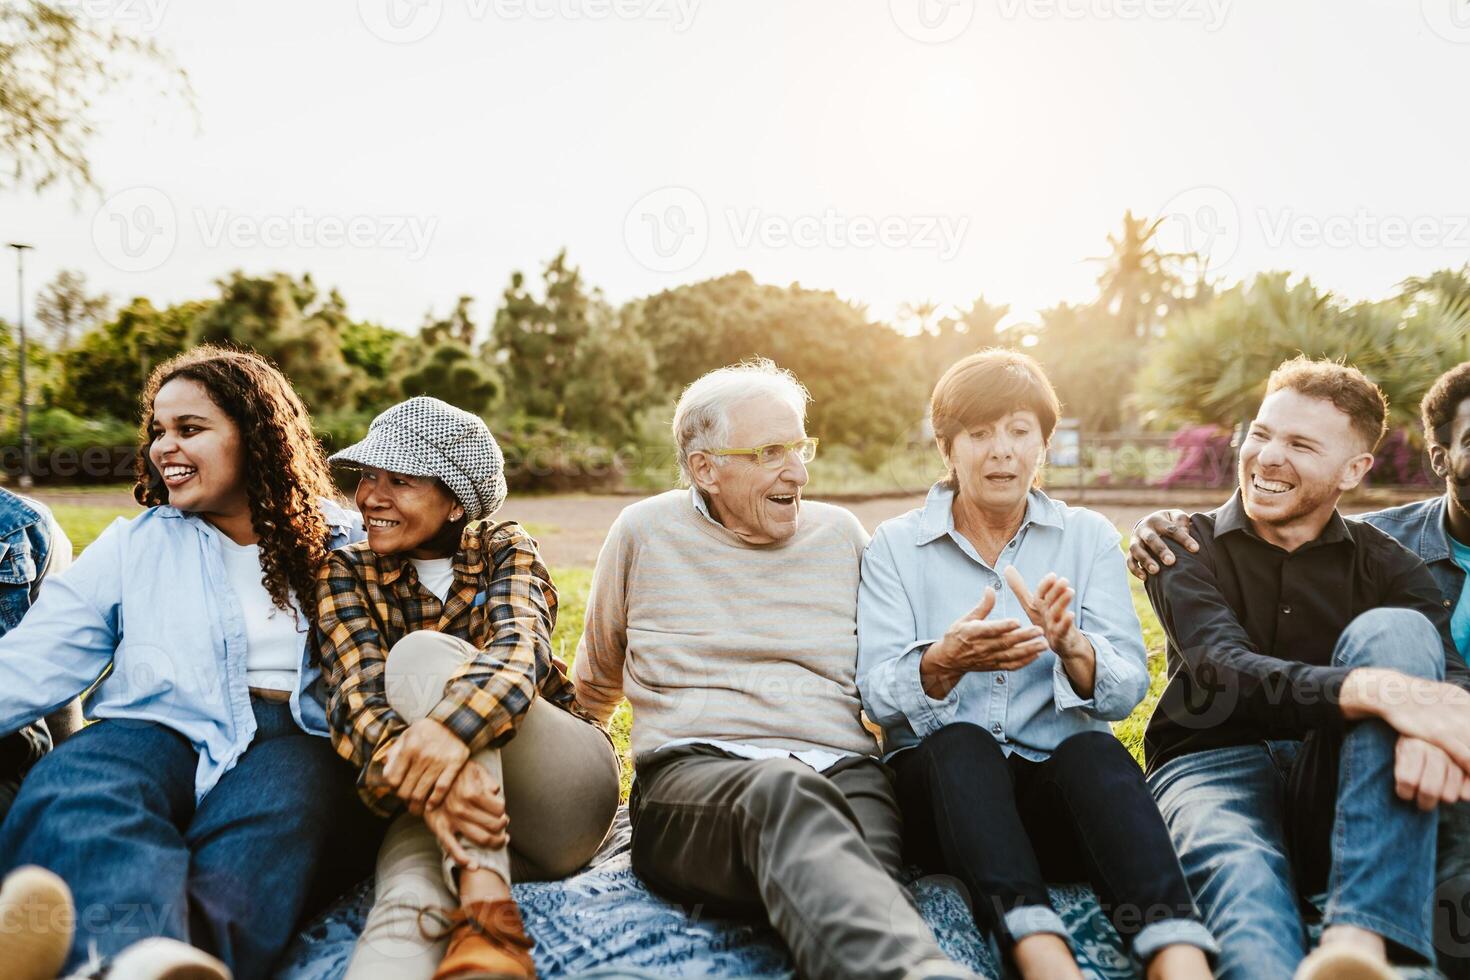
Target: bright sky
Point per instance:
(408, 151)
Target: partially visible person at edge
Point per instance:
(1306, 738)
(188, 820)
(32, 547)
(727, 611)
(1438, 531)
(996, 640)
(447, 699)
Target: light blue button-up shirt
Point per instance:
(920, 575)
(150, 599)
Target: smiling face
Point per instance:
(197, 449)
(995, 463)
(1451, 461)
(406, 514)
(758, 504)
(1299, 456)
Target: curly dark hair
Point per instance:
(1439, 406)
(289, 476)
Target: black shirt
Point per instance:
(1251, 628)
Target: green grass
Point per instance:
(84, 522)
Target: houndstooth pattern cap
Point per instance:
(428, 437)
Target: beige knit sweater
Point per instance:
(714, 639)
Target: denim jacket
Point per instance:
(1421, 528)
(25, 551)
(25, 554)
(151, 599)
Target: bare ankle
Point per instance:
(481, 885)
(1045, 956)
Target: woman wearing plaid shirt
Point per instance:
(444, 694)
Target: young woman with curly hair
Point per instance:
(196, 807)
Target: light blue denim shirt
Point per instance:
(919, 575)
(151, 600)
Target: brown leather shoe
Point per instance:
(486, 942)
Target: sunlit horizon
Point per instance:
(834, 145)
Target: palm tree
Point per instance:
(1139, 285)
(1213, 363)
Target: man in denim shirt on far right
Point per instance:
(32, 546)
(1438, 531)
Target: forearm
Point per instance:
(1080, 663)
(936, 672)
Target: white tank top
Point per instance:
(274, 640)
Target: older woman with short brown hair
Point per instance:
(996, 640)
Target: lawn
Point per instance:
(83, 522)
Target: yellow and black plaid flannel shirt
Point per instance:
(502, 601)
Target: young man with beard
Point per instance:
(1306, 695)
(1438, 531)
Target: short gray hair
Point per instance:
(702, 417)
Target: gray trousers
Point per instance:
(816, 853)
(559, 777)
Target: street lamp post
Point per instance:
(25, 408)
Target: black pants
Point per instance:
(1005, 826)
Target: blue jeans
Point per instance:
(1452, 894)
(112, 812)
(1260, 826)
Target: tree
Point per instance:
(66, 310)
(54, 60)
(866, 384)
(1140, 285)
(1213, 363)
(458, 327)
(374, 353)
(567, 355)
(281, 318)
(1090, 362)
(105, 370)
(449, 371)
(951, 338)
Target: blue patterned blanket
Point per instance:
(604, 923)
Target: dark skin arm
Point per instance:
(1150, 545)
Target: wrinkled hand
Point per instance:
(424, 763)
(1425, 774)
(973, 643)
(475, 810)
(1050, 609)
(1148, 548)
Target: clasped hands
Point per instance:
(975, 643)
(430, 769)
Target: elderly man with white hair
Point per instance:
(726, 613)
